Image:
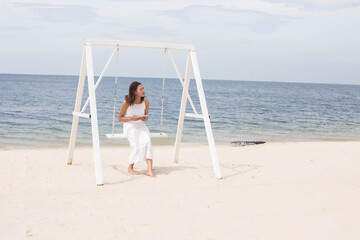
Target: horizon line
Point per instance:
(204, 79)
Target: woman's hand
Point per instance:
(144, 119)
(135, 118)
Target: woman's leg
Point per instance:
(131, 169)
(149, 165)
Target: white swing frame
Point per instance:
(87, 69)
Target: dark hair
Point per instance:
(130, 98)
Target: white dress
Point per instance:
(137, 134)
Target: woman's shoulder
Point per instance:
(146, 101)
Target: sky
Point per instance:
(253, 40)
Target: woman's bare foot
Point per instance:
(150, 173)
(149, 167)
(132, 171)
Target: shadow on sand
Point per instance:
(142, 173)
(240, 169)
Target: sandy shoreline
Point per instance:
(302, 190)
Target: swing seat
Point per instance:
(122, 136)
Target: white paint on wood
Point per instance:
(80, 114)
(194, 115)
(100, 78)
(94, 119)
(118, 43)
(87, 68)
(182, 109)
(205, 113)
(75, 121)
(181, 81)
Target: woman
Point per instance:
(134, 113)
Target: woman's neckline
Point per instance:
(138, 103)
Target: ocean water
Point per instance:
(36, 110)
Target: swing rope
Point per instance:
(163, 92)
(116, 75)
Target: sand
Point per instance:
(304, 190)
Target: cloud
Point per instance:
(234, 38)
(60, 13)
(219, 17)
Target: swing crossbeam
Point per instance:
(117, 43)
(80, 114)
(193, 115)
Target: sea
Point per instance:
(36, 111)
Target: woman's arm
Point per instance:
(147, 103)
(122, 112)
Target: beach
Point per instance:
(273, 84)
(276, 190)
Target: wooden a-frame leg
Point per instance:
(182, 109)
(75, 121)
(205, 115)
(94, 119)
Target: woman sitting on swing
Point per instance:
(134, 113)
